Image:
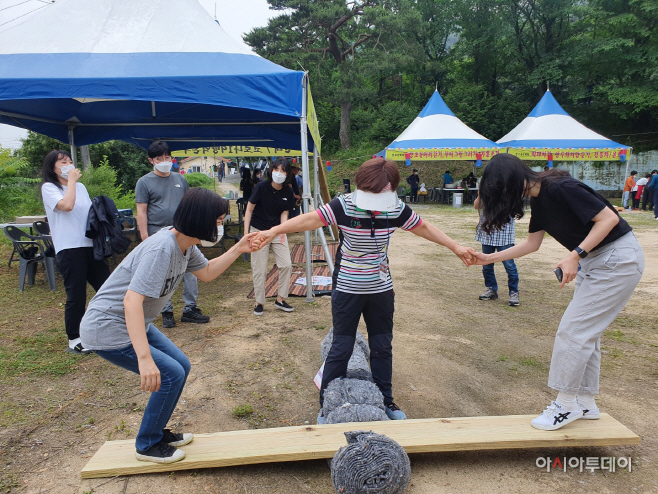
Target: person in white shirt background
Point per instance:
(67, 204)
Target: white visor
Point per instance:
(382, 201)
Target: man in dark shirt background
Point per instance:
(414, 181)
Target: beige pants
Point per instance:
(259, 260)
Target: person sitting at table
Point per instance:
(447, 179)
(471, 181)
(118, 324)
(67, 204)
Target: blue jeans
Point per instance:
(174, 368)
(510, 267)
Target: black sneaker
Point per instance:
(283, 305)
(258, 310)
(176, 439)
(160, 453)
(194, 315)
(168, 320)
(79, 349)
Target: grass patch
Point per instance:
(530, 362)
(39, 355)
(502, 358)
(242, 411)
(8, 482)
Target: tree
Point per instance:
(330, 38)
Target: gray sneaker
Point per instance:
(489, 294)
(514, 299)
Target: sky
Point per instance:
(237, 17)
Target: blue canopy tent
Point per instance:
(87, 72)
(549, 132)
(437, 134)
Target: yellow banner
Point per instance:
(567, 154)
(237, 151)
(312, 121)
(441, 154)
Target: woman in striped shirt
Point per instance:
(362, 283)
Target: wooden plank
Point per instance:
(313, 442)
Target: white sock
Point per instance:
(72, 343)
(567, 401)
(587, 401)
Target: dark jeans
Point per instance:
(78, 267)
(174, 367)
(636, 203)
(510, 267)
(414, 195)
(377, 310)
(647, 198)
(655, 203)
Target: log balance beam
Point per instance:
(313, 442)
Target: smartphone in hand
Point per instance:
(558, 274)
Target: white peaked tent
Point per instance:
(549, 132)
(137, 70)
(437, 134)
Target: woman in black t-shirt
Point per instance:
(269, 205)
(605, 259)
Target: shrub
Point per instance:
(198, 179)
(102, 181)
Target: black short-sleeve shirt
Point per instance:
(270, 203)
(564, 209)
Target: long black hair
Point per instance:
(196, 215)
(48, 173)
(505, 182)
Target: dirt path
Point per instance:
(476, 358)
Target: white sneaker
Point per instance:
(590, 413)
(555, 417)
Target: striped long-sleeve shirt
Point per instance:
(364, 243)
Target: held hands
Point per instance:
(149, 374)
(481, 259)
(263, 238)
(569, 266)
(246, 245)
(466, 254)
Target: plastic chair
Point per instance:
(31, 251)
(43, 230)
(128, 224)
(242, 208)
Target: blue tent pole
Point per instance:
(307, 190)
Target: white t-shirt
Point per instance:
(642, 181)
(67, 227)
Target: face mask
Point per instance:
(278, 177)
(163, 167)
(65, 170)
(220, 231)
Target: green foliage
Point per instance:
(373, 64)
(198, 180)
(102, 181)
(129, 161)
(19, 195)
(242, 411)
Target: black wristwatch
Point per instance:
(582, 253)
